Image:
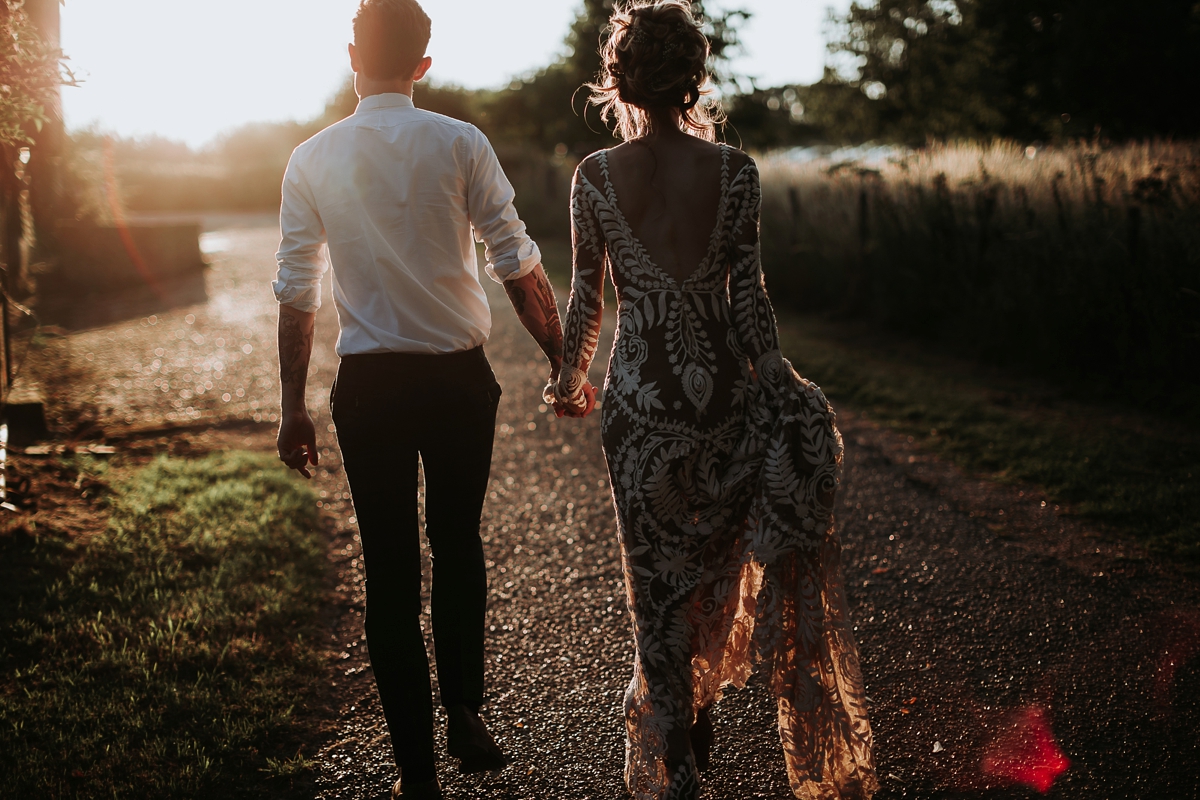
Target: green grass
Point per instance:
(169, 654)
(1110, 461)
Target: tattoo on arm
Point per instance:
(532, 298)
(295, 349)
(552, 343)
(517, 295)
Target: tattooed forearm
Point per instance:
(533, 299)
(516, 296)
(295, 348)
(552, 343)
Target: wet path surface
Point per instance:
(993, 631)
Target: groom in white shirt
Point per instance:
(395, 192)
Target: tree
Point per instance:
(1022, 68)
(1132, 69)
(926, 69)
(30, 74)
(786, 116)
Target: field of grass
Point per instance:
(1109, 461)
(1078, 262)
(170, 653)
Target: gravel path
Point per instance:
(980, 610)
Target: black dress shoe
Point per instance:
(469, 741)
(426, 790)
(702, 738)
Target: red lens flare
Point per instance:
(114, 203)
(1026, 752)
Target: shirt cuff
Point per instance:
(306, 299)
(527, 257)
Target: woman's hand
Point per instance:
(589, 397)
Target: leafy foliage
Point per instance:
(30, 72)
(784, 116)
(946, 69)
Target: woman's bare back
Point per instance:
(669, 191)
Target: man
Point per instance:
(395, 193)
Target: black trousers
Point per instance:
(392, 409)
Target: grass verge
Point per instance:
(1110, 461)
(168, 654)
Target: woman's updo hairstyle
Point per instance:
(655, 57)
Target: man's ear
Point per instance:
(354, 65)
(422, 68)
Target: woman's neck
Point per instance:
(664, 123)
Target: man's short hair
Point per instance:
(390, 37)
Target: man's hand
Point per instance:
(297, 441)
(589, 397)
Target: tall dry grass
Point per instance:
(1080, 262)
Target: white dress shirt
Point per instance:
(395, 191)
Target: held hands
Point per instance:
(589, 397)
(297, 441)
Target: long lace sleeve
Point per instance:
(586, 306)
(753, 316)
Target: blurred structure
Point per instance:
(117, 271)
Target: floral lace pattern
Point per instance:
(724, 465)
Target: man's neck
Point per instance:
(365, 87)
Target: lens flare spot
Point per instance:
(1026, 752)
(118, 214)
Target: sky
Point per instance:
(188, 71)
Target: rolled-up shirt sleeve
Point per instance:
(509, 251)
(301, 258)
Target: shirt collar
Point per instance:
(385, 100)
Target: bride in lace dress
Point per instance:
(724, 463)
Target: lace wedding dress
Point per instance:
(724, 465)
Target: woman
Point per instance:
(723, 461)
